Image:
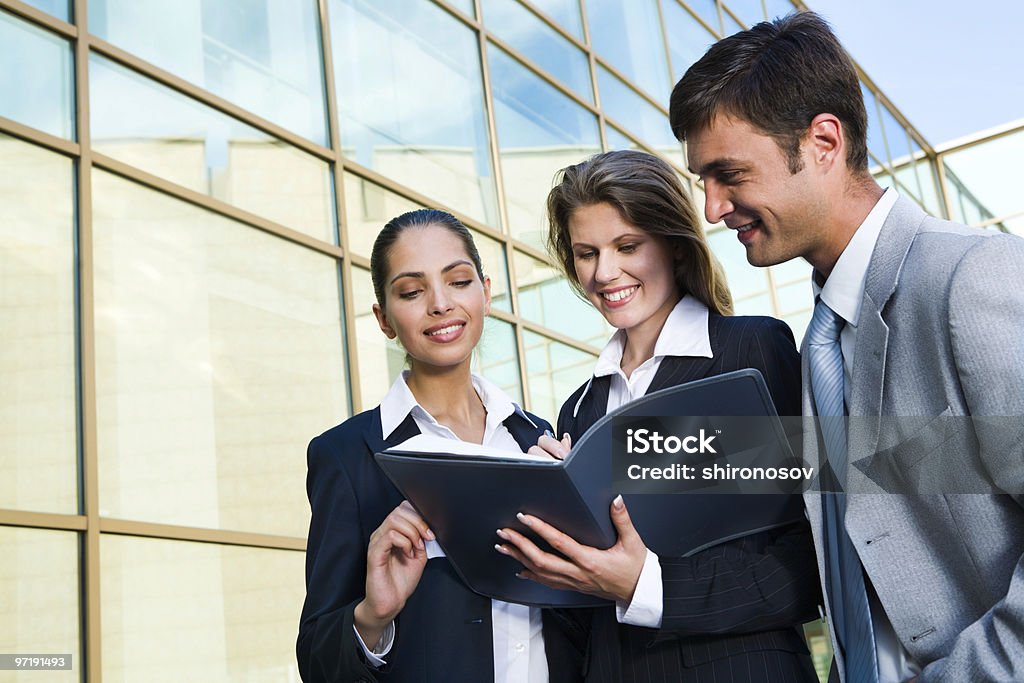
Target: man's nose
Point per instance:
(716, 203)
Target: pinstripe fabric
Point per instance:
(848, 598)
(731, 613)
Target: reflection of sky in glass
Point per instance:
(540, 131)
(565, 12)
(876, 143)
(731, 25)
(261, 55)
(625, 106)
(779, 8)
(687, 39)
(991, 171)
(628, 35)
(410, 99)
(616, 139)
(525, 32)
(170, 135)
(497, 358)
(555, 371)
(58, 8)
(36, 78)
(749, 11)
(896, 136)
(706, 9)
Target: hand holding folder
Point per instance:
(466, 493)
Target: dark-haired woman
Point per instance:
(382, 602)
(629, 240)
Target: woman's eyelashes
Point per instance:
(413, 293)
(627, 248)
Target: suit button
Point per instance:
(520, 648)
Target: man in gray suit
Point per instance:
(916, 336)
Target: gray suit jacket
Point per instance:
(939, 335)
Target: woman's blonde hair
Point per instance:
(648, 194)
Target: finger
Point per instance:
(555, 538)
(550, 582)
(628, 535)
(537, 450)
(408, 512)
(567, 440)
(396, 522)
(527, 553)
(552, 446)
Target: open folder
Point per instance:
(466, 492)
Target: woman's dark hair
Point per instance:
(420, 218)
(647, 193)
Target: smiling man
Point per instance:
(914, 317)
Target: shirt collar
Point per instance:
(685, 333)
(399, 403)
(844, 289)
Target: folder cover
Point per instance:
(465, 498)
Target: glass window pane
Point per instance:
(706, 10)
(411, 100)
(554, 371)
(369, 207)
(991, 171)
(756, 305)
(623, 104)
(496, 358)
(546, 298)
(749, 12)
(731, 26)
(565, 12)
(876, 143)
(779, 8)
(219, 354)
(628, 35)
(798, 322)
(526, 33)
(465, 5)
(58, 8)
(896, 136)
(796, 296)
(263, 55)
(793, 270)
(380, 358)
(744, 279)
(38, 441)
(179, 611)
(540, 131)
(39, 599)
(616, 139)
(160, 131)
(688, 39)
(36, 77)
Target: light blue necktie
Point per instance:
(851, 617)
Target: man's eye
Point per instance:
(729, 176)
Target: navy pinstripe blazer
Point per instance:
(732, 612)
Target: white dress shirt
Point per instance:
(685, 333)
(843, 292)
(515, 629)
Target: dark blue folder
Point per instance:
(465, 499)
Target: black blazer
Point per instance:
(732, 612)
(444, 631)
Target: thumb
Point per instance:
(620, 518)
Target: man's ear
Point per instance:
(825, 140)
(382, 320)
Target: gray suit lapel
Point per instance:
(869, 356)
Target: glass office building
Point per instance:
(189, 190)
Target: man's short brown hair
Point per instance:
(777, 76)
